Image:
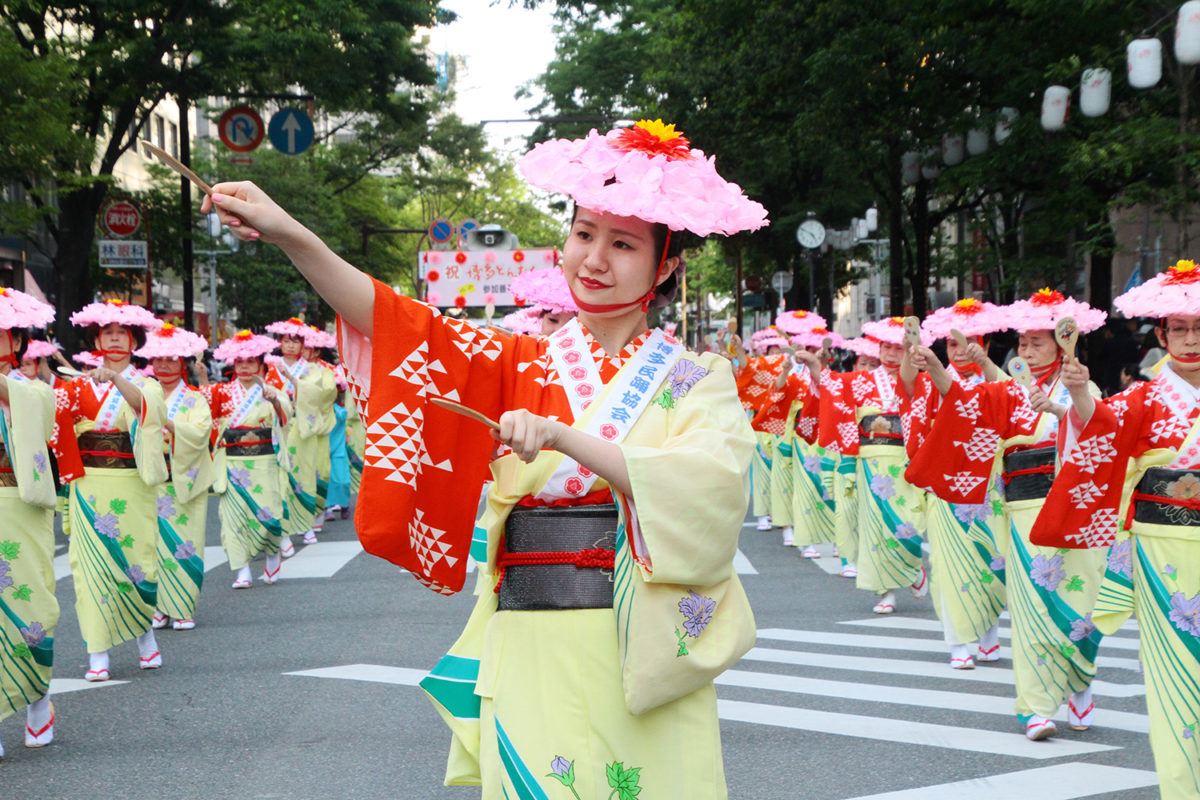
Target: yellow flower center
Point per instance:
(243, 335)
(663, 132)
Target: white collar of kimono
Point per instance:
(629, 394)
(110, 400)
(245, 402)
(175, 399)
(1179, 395)
(885, 382)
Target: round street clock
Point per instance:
(810, 234)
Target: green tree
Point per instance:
(129, 55)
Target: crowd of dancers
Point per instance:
(128, 451)
(1025, 489)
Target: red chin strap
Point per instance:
(1183, 360)
(969, 369)
(1043, 373)
(643, 301)
(11, 358)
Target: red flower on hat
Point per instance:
(244, 336)
(820, 331)
(798, 315)
(1046, 297)
(1184, 271)
(654, 139)
(296, 321)
(968, 306)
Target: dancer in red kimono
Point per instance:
(588, 692)
(1002, 429)
(1127, 487)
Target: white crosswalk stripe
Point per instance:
(1124, 639)
(1058, 782)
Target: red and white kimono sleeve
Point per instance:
(917, 411)
(63, 443)
(960, 445)
(838, 427)
(1083, 508)
(772, 417)
(423, 465)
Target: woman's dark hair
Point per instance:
(20, 342)
(138, 334)
(679, 241)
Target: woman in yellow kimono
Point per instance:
(310, 388)
(28, 608)
(183, 500)
(583, 698)
(1127, 488)
(118, 418)
(251, 416)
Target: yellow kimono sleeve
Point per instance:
(191, 462)
(146, 430)
(691, 490)
(315, 394)
(31, 404)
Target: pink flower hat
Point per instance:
(118, 311)
(891, 330)
(244, 344)
(20, 310)
(794, 323)
(170, 341)
(970, 316)
(1043, 310)
(649, 171)
(1176, 291)
(545, 289)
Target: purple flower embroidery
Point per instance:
(905, 531)
(883, 486)
(1189, 732)
(188, 402)
(135, 573)
(997, 563)
(1120, 559)
(240, 477)
(39, 461)
(311, 419)
(166, 506)
(1082, 628)
(1169, 570)
(812, 464)
(5, 581)
(1047, 573)
(697, 613)
(684, 375)
(1185, 613)
(34, 635)
(559, 766)
(108, 525)
(192, 473)
(185, 550)
(969, 513)
(264, 514)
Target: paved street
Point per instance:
(306, 689)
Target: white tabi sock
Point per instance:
(990, 638)
(147, 646)
(97, 661)
(38, 713)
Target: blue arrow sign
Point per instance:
(291, 131)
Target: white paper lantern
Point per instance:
(910, 167)
(1004, 125)
(1056, 105)
(952, 150)
(977, 141)
(1187, 33)
(872, 219)
(862, 231)
(1095, 92)
(1143, 59)
(929, 164)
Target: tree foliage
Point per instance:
(123, 57)
(812, 106)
